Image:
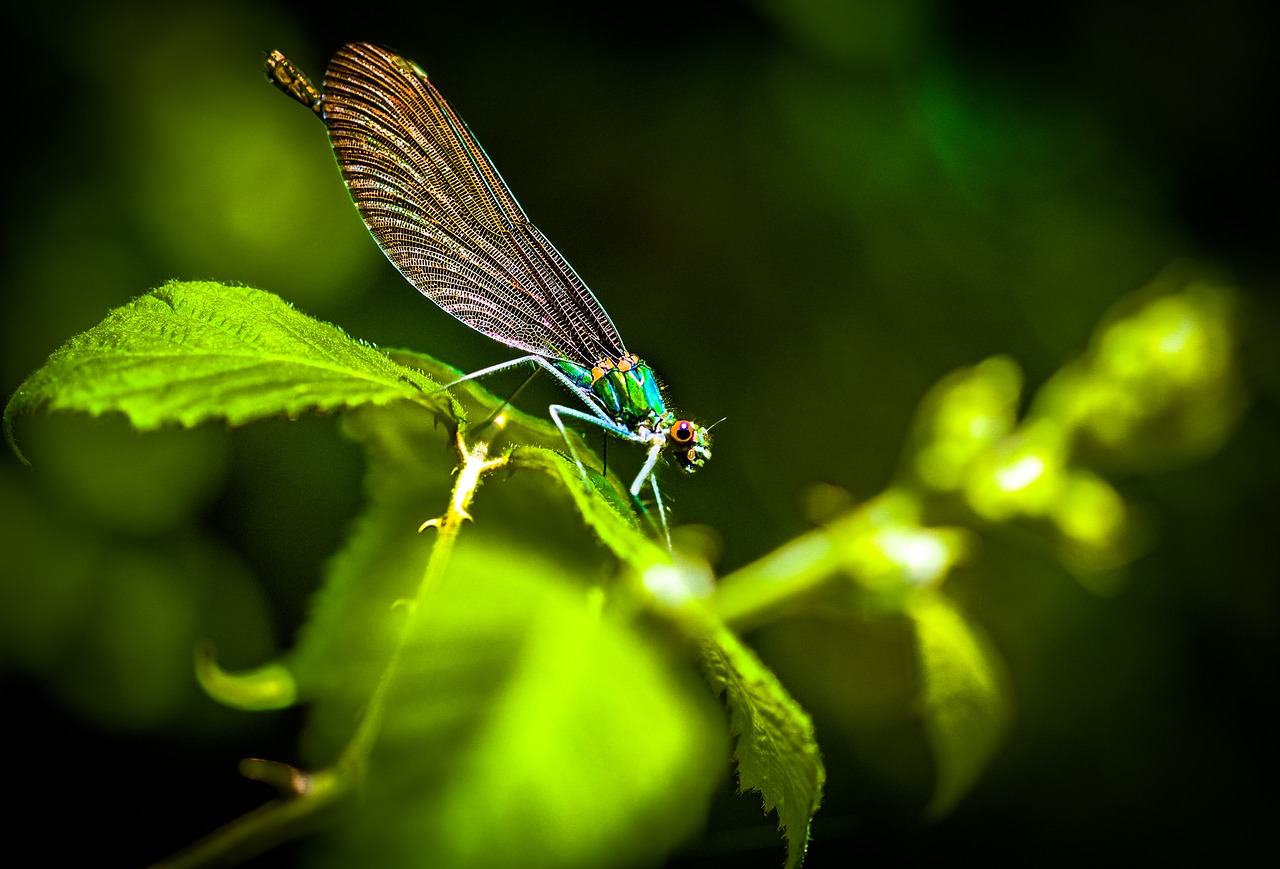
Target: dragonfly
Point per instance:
(444, 217)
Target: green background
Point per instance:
(803, 214)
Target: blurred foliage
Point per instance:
(493, 703)
(433, 695)
(804, 215)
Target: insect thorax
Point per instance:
(627, 390)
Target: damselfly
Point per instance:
(444, 217)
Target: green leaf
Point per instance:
(528, 728)
(517, 722)
(775, 751)
(961, 419)
(601, 506)
(521, 725)
(963, 698)
(187, 353)
(267, 687)
(354, 619)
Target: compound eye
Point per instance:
(682, 432)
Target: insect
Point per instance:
(442, 214)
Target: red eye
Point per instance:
(682, 432)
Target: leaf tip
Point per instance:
(11, 409)
(264, 688)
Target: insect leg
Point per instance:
(506, 401)
(646, 472)
(492, 369)
(662, 510)
(600, 418)
(607, 424)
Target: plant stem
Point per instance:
(307, 794)
(475, 463)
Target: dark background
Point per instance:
(803, 214)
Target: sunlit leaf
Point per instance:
(527, 728)
(602, 507)
(355, 616)
(187, 353)
(1160, 383)
(267, 687)
(961, 418)
(774, 749)
(963, 696)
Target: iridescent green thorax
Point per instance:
(629, 395)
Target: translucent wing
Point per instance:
(444, 217)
